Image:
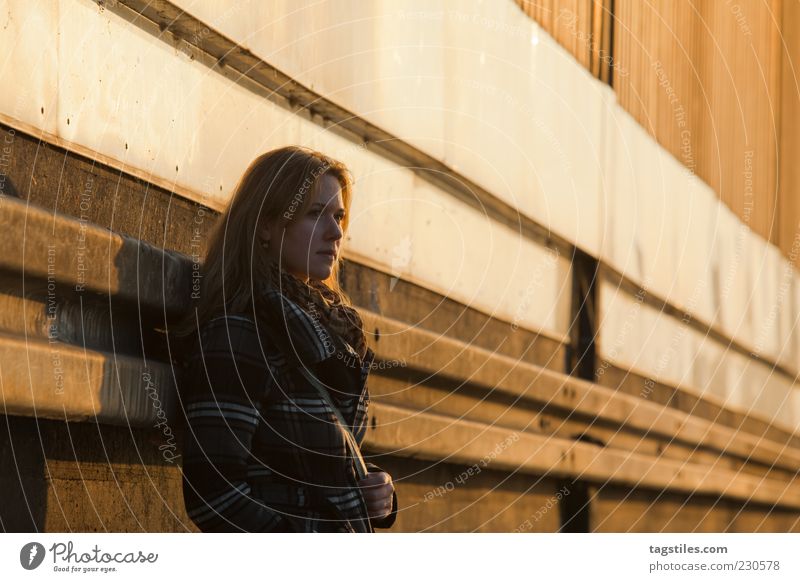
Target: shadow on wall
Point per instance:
(93, 443)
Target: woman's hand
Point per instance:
(377, 489)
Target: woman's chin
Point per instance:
(321, 272)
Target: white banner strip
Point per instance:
(631, 556)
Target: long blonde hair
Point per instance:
(275, 186)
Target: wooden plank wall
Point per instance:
(707, 80)
(789, 168)
(704, 80)
(570, 22)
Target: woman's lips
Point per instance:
(330, 254)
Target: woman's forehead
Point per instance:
(329, 192)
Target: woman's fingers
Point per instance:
(377, 489)
(376, 485)
(375, 478)
(379, 508)
(378, 493)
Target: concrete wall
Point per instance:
(144, 130)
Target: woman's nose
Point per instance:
(335, 229)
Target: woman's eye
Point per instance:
(339, 217)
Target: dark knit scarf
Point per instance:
(320, 301)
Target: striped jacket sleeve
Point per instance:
(222, 387)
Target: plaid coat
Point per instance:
(263, 451)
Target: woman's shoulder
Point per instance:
(234, 334)
(229, 361)
(227, 320)
(227, 325)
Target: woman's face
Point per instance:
(309, 246)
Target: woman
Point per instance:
(274, 390)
